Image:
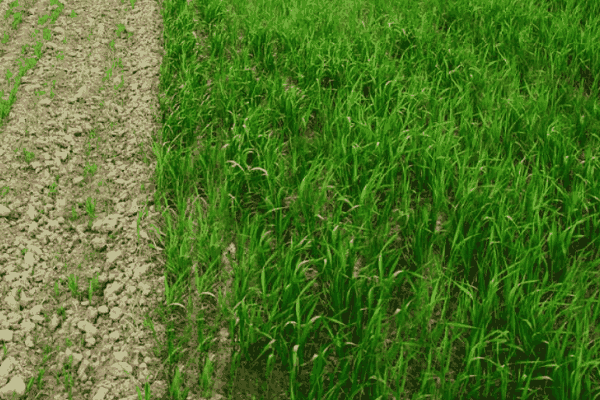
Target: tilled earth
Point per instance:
(81, 261)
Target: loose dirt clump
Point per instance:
(80, 257)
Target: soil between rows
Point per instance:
(81, 261)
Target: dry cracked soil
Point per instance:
(81, 255)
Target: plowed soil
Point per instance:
(81, 265)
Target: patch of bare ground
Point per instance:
(81, 258)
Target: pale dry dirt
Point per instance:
(79, 134)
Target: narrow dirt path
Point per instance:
(81, 266)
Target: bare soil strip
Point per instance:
(81, 265)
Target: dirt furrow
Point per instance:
(81, 265)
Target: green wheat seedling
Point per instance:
(90, 170)
(73, 286)
(27, 155)
(74, 214)
(91, 208)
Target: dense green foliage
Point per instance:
(411, 186)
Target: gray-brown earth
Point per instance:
(77, 220)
